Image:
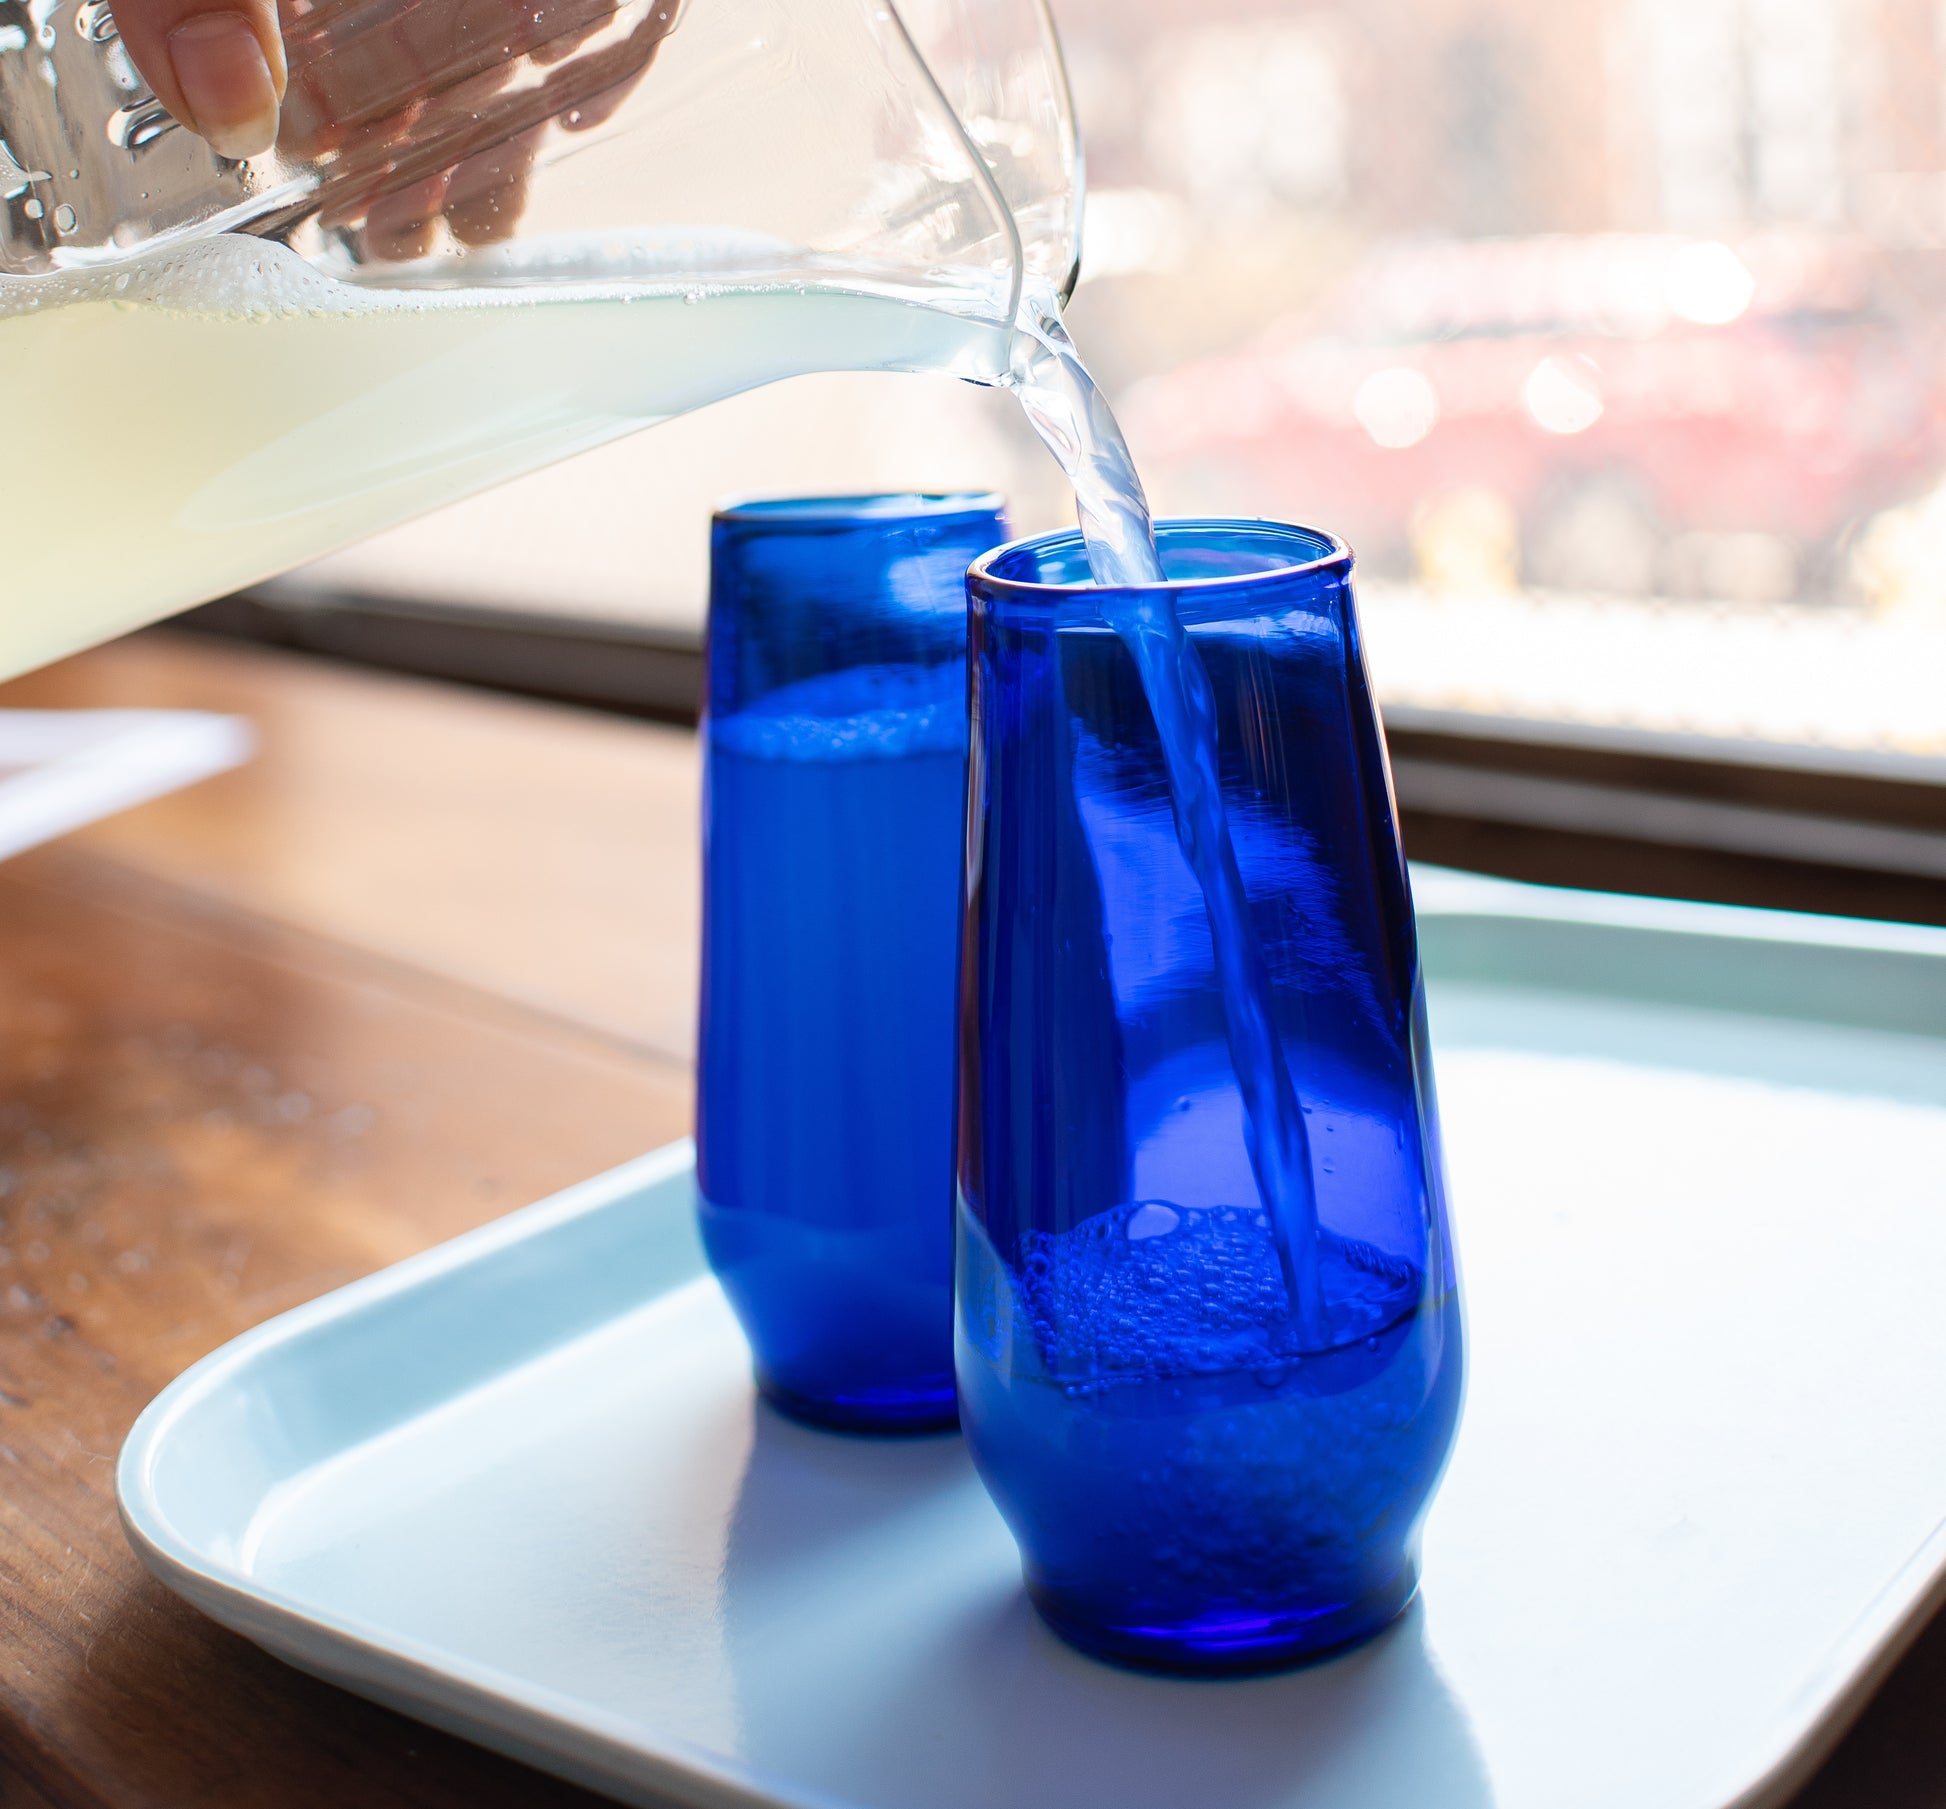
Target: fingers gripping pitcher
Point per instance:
(488, 236)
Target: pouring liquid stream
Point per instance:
(1073, 420)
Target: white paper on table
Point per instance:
(60, 769)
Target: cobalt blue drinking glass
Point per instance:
(1200, 1475)
(834, 755)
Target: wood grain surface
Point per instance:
(430, 957)
(223, 1091)
(541, 853)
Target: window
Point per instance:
(1612, 334)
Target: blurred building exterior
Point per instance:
(1521, 116)
(1283, 192)
(1599, 327)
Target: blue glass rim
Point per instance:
(1010, 575)
(889, 508)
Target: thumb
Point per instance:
(217, 65)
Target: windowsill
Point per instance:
(1852, 826)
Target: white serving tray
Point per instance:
(518, 1486)
(60, 769)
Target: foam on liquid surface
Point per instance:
(1151, 1290)
(868, 713)
(1165, 1456)
(226, 275)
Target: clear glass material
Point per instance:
(834, 754)
(1194, 1483)
(491, 235)
(736, 139)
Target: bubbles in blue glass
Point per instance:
(1199, 1476)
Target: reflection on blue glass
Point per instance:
(834, 760)
(1193, 1482)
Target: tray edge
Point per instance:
(432, 1689)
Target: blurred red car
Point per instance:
(1651, 412)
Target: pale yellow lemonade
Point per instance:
(203, 418)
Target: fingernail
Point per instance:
(225, 83)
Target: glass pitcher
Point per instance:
(493, 233)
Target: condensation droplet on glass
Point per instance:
(95, 21)
(64, 218)
(33, 208)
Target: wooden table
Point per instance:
(430, 956)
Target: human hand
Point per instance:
(411, 112)
(418, 111)
(217, 65)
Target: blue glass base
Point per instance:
(894, 1411)
(1229, 1646)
